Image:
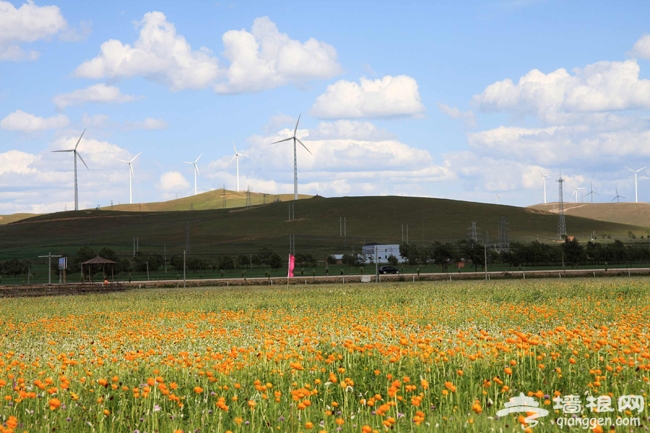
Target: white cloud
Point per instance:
(26, 122)
(601, 86)
(148, 123)
(264, 58)
(641, 48)
(159, 54)
(28, 23)
(96, 93)
(15, 161)
(467, 116)
(383, 97)
(173, 181)
(346, 157)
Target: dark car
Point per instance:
(388, 270)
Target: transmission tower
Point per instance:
(504, 242)
(473, 232)
(248, 197)
(561, 224)
(187, 237)
(224, 195)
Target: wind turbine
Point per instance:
(196, 170)
(592, 192)
(636, 195)
(75, 154)
(295, 158)
(131, 175)
(575, 191)
(617, 197)
(237, 155)
(544, 176)
(498, 198)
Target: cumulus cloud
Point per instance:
(467, 116)
(553, 97)
(148, 123)
(28, 23)
(26, 122)
(641, 48)
(264, 58)
(159, 54)
(15, 161)
(97, 93)
(383, 97)
(173, 181)
(346, 157)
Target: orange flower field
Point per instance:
(407, 357)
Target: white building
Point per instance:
(383, 252)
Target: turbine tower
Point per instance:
(592, 192)
(575, 191)
(295, 158)
(236, 157)
(196, 170)
(498, 198)
(636, 195)
(544, 176)
(131, 175)
(75, 155)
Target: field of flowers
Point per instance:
(407, 357)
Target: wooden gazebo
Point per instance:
(98, 261)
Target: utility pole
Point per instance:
(376, 266)
(187, 237)
(485, 263)
(561, 224)
(49, 268)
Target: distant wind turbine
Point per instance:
(196, 170)
(75, 155)
(575, 191)
(295, 158)
(544, 176)
(618, 197)
(636, 195)
(131, 175)
(498, 198)
(592, 192)
(236, 157)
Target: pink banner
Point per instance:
(292, 264)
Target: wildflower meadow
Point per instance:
(403, 357)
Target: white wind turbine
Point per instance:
(196, 170)
(575, 191)
(592, 192)
(237, 155)
(295, 158)
(544, 176)
(498, 198)
(618, 197)
(636, 195)
(75, 155)
(131, 175)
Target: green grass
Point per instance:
(316, 227)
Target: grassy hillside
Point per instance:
(217, 199)
(623, 213)
(316, 227)
(6, 219)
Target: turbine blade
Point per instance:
(63, 150)
(135, 157)
(185, 162)
(296, 130)
(280, 141)
(121, 160)
(303, 145)
(197, 169)
(233, 158)
(197, 159)
(82, 160)
(82, 134)
(241, 154)
(642, 168)
(629, 169)
(234, 147)
(131, 168)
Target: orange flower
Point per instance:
(198, 389)
(54, 403)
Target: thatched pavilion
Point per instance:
(98, 261)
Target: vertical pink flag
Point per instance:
(292, 264)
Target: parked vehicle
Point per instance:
(388, 270)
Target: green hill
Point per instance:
(6, 219)
(622, 213)
(316, 227)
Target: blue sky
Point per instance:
(461, 100)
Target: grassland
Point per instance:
(403, 357)
(316, 227)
